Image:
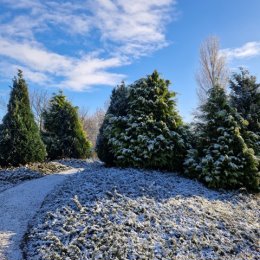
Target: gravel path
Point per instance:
(18, 205)
(11, 177)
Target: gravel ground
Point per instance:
(10, 177)
(18, 205)
(106, 213)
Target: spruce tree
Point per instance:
(117, 109)
(222, 159)
(245, 97)
(63, 132)
(20, 140)
(152, 128)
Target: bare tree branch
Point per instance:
(213, 69)
(92, 123)
(39, 102)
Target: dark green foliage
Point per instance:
(221, 158)
(63, 132)
(119, 101)
(245, 97)
(150, 135)
(103, 148)
(20, 141)
(117, 108)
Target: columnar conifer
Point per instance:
(117, 110)
(222, 158)
(63, 132)
(245, 97)
(20, 140)
(152, 128)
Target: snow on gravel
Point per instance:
(18, 205)
(106, 213)
(11, 177)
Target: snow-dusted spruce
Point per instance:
(63, 132)
(150, 135)
(117, 109)
(222, 158)
(20, 140)
(107, 213)
(245, 97)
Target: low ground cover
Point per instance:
(107, 213)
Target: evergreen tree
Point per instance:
(222, 158)
(152, 128)
(20, 140)
(63, 132)
(245, 97)
(116, 110)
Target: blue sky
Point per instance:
(88, 47)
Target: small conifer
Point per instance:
(20, 140)
(222, 158)
(245, 97)
(117, 109)
(152, 128)
(63, 132)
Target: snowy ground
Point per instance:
(18, 205)
(11, 177)
(104, 213)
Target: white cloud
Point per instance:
(91, 71)
(42, 66)
(123, 30)
(34, 57)
(37, 16)
(138, 26)
(248, 50)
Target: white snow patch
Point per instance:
(17, 207)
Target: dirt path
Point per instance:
(18, 205)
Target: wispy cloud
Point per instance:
(118, 30)
(42, 66)
(137, 26)
(248, 50)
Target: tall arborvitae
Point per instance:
(20, 140)
(152, 128)
(245, 97)
(222, 159)
(117, 109)
(63, 132)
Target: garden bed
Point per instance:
(106, 213)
